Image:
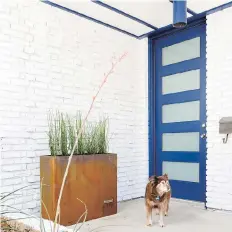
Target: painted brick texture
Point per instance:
(51, 59)
(219, 104)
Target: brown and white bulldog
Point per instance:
(157, 195)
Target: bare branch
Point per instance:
(85, 213)
(78, 136)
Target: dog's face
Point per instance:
(165, 178)
(161, 184)
(162, 188)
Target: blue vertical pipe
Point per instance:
(179, 13)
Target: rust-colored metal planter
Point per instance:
(91, 178)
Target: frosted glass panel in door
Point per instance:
(181, 82)
(188, 141)
(181, 112)
(187, 50)
(182, 171)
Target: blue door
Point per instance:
(180, 111)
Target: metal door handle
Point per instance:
(203, 136)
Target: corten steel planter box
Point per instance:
(91, 178)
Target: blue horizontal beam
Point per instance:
(89, 18)
(124, 14)
(191, 12)
(218, 8)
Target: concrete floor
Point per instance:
(183, 216)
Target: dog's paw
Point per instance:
(149, 224)
(161, 224)
(166, 214)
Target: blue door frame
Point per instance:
(181, 189)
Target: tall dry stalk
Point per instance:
(114, 64)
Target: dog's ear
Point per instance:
(156, 179)
(166, 177)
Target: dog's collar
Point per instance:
(156, 197)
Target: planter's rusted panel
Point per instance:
(47, 179)
(91, 178)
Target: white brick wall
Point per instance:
(219, 104)
(52, 59)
